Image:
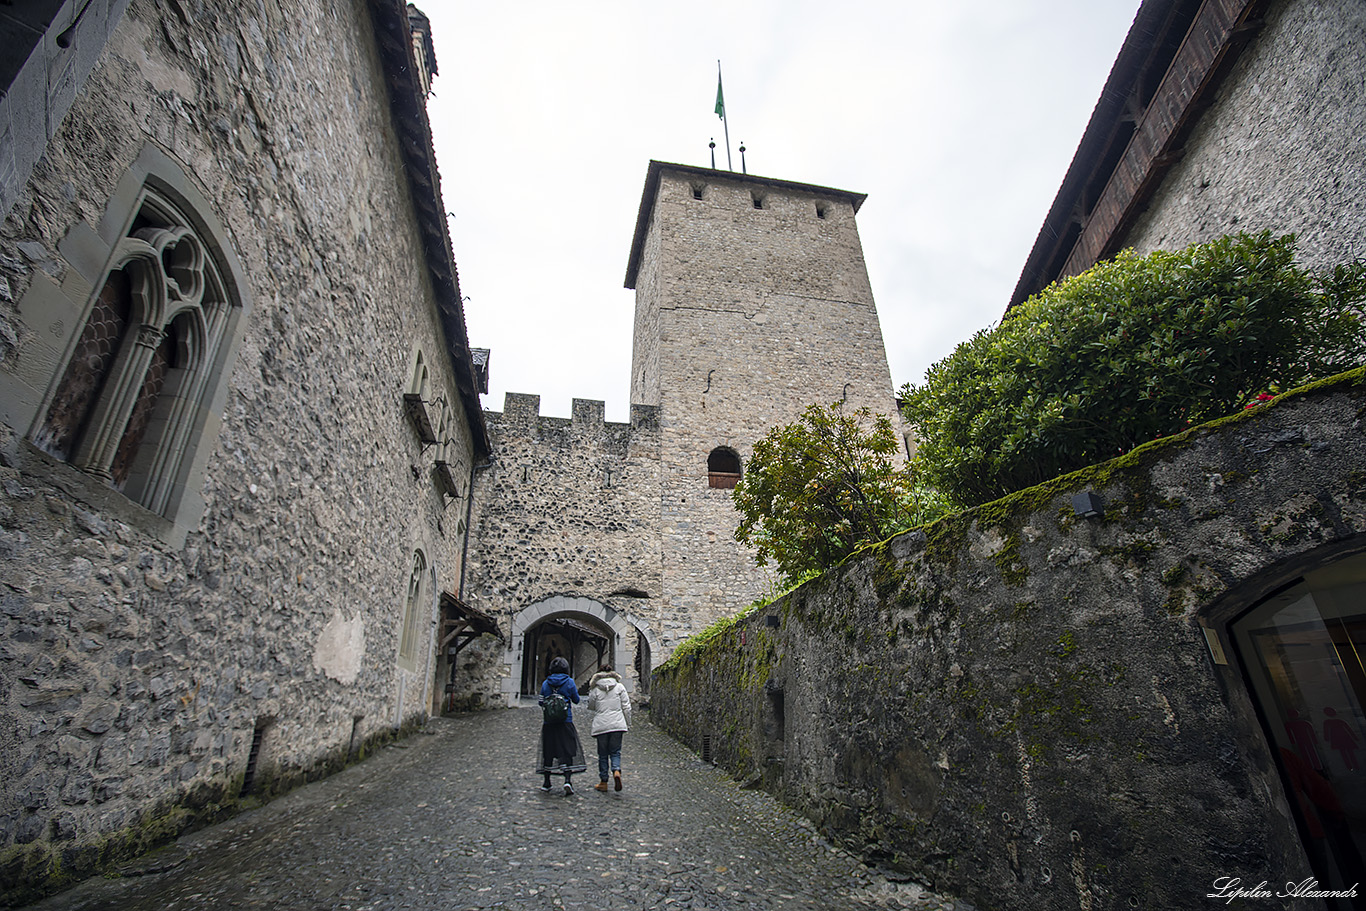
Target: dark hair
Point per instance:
(559, 666)
(605, 669)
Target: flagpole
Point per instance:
(725, 124)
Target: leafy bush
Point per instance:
(1136, 348)
(818, 489)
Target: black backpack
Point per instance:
(554, 708)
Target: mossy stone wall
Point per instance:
(1019, 705)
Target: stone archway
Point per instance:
(578, 628)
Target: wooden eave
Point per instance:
(464, 618)
(1171, 64)
(408, 105)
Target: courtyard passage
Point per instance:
(453, 818)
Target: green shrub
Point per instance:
(820, 488)
(1136, 348)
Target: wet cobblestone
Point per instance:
(453, 819)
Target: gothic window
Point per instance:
(418, 401)
(412, 612)
(723, 468)
(447, 455)
(418, 382)
(131, 402)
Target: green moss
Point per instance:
(758, 663)
(1134, 551)
(41, 868)
(946, 538)
(969, 700)
(888, 577)
(692, 648)
(1013, 569)
(1174, 579)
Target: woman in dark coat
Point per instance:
(561, 753)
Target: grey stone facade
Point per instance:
(1282, 148)
(252, 598)
(1036, 710)
(50, 48)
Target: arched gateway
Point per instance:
(585, 632)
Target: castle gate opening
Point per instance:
(580, 641)
(585, 632)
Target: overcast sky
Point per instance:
(957, 119)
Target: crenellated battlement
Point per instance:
(521, 419)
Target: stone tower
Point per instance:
(752, 302)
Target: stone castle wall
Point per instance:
(565, 509)
(753, 304)
(141, 659)
(1282, 148)
(1022, 706)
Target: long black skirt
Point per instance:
(560, 752)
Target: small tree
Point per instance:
(1134, 349)
(818, 489)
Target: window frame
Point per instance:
(163, 494)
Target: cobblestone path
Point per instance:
(453, 818)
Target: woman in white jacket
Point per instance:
(611, 707)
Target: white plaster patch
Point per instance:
(341, 645)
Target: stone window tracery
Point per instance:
(412, 611)
(130, 403)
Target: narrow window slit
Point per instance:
(249, 779)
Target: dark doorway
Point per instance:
(582, 643)
(643, 664)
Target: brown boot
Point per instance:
(616, 774)
(600, 786)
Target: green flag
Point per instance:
(720, 102)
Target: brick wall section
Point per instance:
(1019, 706)
(1282, 147)
(564, 508)
(744, 317)
(134, 671)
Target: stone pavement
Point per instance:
(453, 818)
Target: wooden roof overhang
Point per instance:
(1168, 70)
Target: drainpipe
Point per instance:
(465, 544)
